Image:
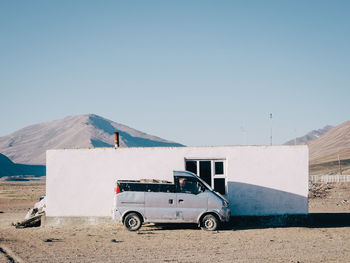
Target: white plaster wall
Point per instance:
(262, 180)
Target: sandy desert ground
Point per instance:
(171, 243)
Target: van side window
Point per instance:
(188, 185)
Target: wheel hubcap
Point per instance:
(132, 222)
(209, 224)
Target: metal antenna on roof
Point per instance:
(339, 164)
(244, 133)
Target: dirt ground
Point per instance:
(330, 198)
(171, 243)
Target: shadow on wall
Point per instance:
(253, 200)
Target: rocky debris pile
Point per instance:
(343, 203)
(33, 217)
(319, 190)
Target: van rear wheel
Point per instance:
(209, 223)
(132, 222)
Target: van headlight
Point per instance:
(224, 204)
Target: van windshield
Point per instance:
(211, 189)
(205, 184)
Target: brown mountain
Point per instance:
(313, 135)
(324, 151)
(29, 145)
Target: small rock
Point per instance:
(51, 239)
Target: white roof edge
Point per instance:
(224, 146)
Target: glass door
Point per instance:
(205, 171)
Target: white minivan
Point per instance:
(186, 200)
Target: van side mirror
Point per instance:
(201, 188)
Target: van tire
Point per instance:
(132, 222)
(209, 223)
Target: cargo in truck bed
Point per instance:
(146, 185)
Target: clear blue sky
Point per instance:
(195, 72)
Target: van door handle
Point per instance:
(171, 201)
(181, 200)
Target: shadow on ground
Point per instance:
(312, 220)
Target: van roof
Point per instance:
(184, 173)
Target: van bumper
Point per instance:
(225, 214)
(117, 216)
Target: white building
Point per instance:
(256, 180)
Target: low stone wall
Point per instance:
(75, 220)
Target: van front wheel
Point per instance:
(209, 223)
(132, 222)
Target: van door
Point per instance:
(160, 206)
(191, 199)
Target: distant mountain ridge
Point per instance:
(10, 169)
(29, 145)
(330, 145)
(310, 136)
(7, 166)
